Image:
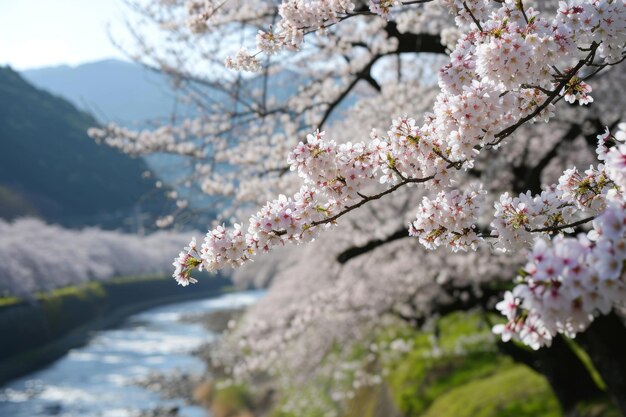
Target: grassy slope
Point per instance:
(469, 378)
(465, 376)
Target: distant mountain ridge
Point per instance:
(111, 90)
(116, 91)
(49, 166)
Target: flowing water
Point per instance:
(97, 380)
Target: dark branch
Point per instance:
(364, 74)
(529, 179)
(500, 136)
(355, 251)
(415, 42)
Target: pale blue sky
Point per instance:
(36, 33)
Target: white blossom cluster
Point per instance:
(168, 139)
(35, 256)
(576, 198)
(243, 61)
(472, 111)
(570, 280)
(298, 18)
(449, 220)
(382, 7)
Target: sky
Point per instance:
(38, 33)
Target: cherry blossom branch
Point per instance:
(364, 200)
(552, 229)
(469, 11)
(503, 134)
(602, 66)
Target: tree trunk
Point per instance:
(605, 342)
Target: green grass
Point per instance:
(466, 352)
(136, 278)
(83, 290)
(515, 392)
(8, 301)
(231, 401)
(470, 378)
(234, 398)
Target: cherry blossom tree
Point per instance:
(35, 256)
(514, 158)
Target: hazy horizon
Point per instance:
(50, 37)
(72, 65)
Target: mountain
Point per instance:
(116, 91)
(112, 90)
(49, 166)
(130, 95)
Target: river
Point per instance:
(97, 380)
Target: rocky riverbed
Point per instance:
(178, 385)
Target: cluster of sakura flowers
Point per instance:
(449, 220)
(468, 113)
(243, 61)
(502, 73)
(504, 57)
(382, 7)
(576, 198)
(577, 90)
(35, 256)
(298, 17)
(570, 280)
(168, 139)
(333, 175)
(198, 12)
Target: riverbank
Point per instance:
(452, 368)
(40, 331)
(203, 389)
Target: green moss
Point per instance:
(417, 383)
(466, 329)
(53, 306)
(137, 278)
(599, 408)
(516, 392)
(58, 303)
(231, 400)
(8, 301)
(374, 401)
(312, 395)
(53, 302)
(82, 292)
(363, 404)
(460, 349)
(453, 370)
(236, 396)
